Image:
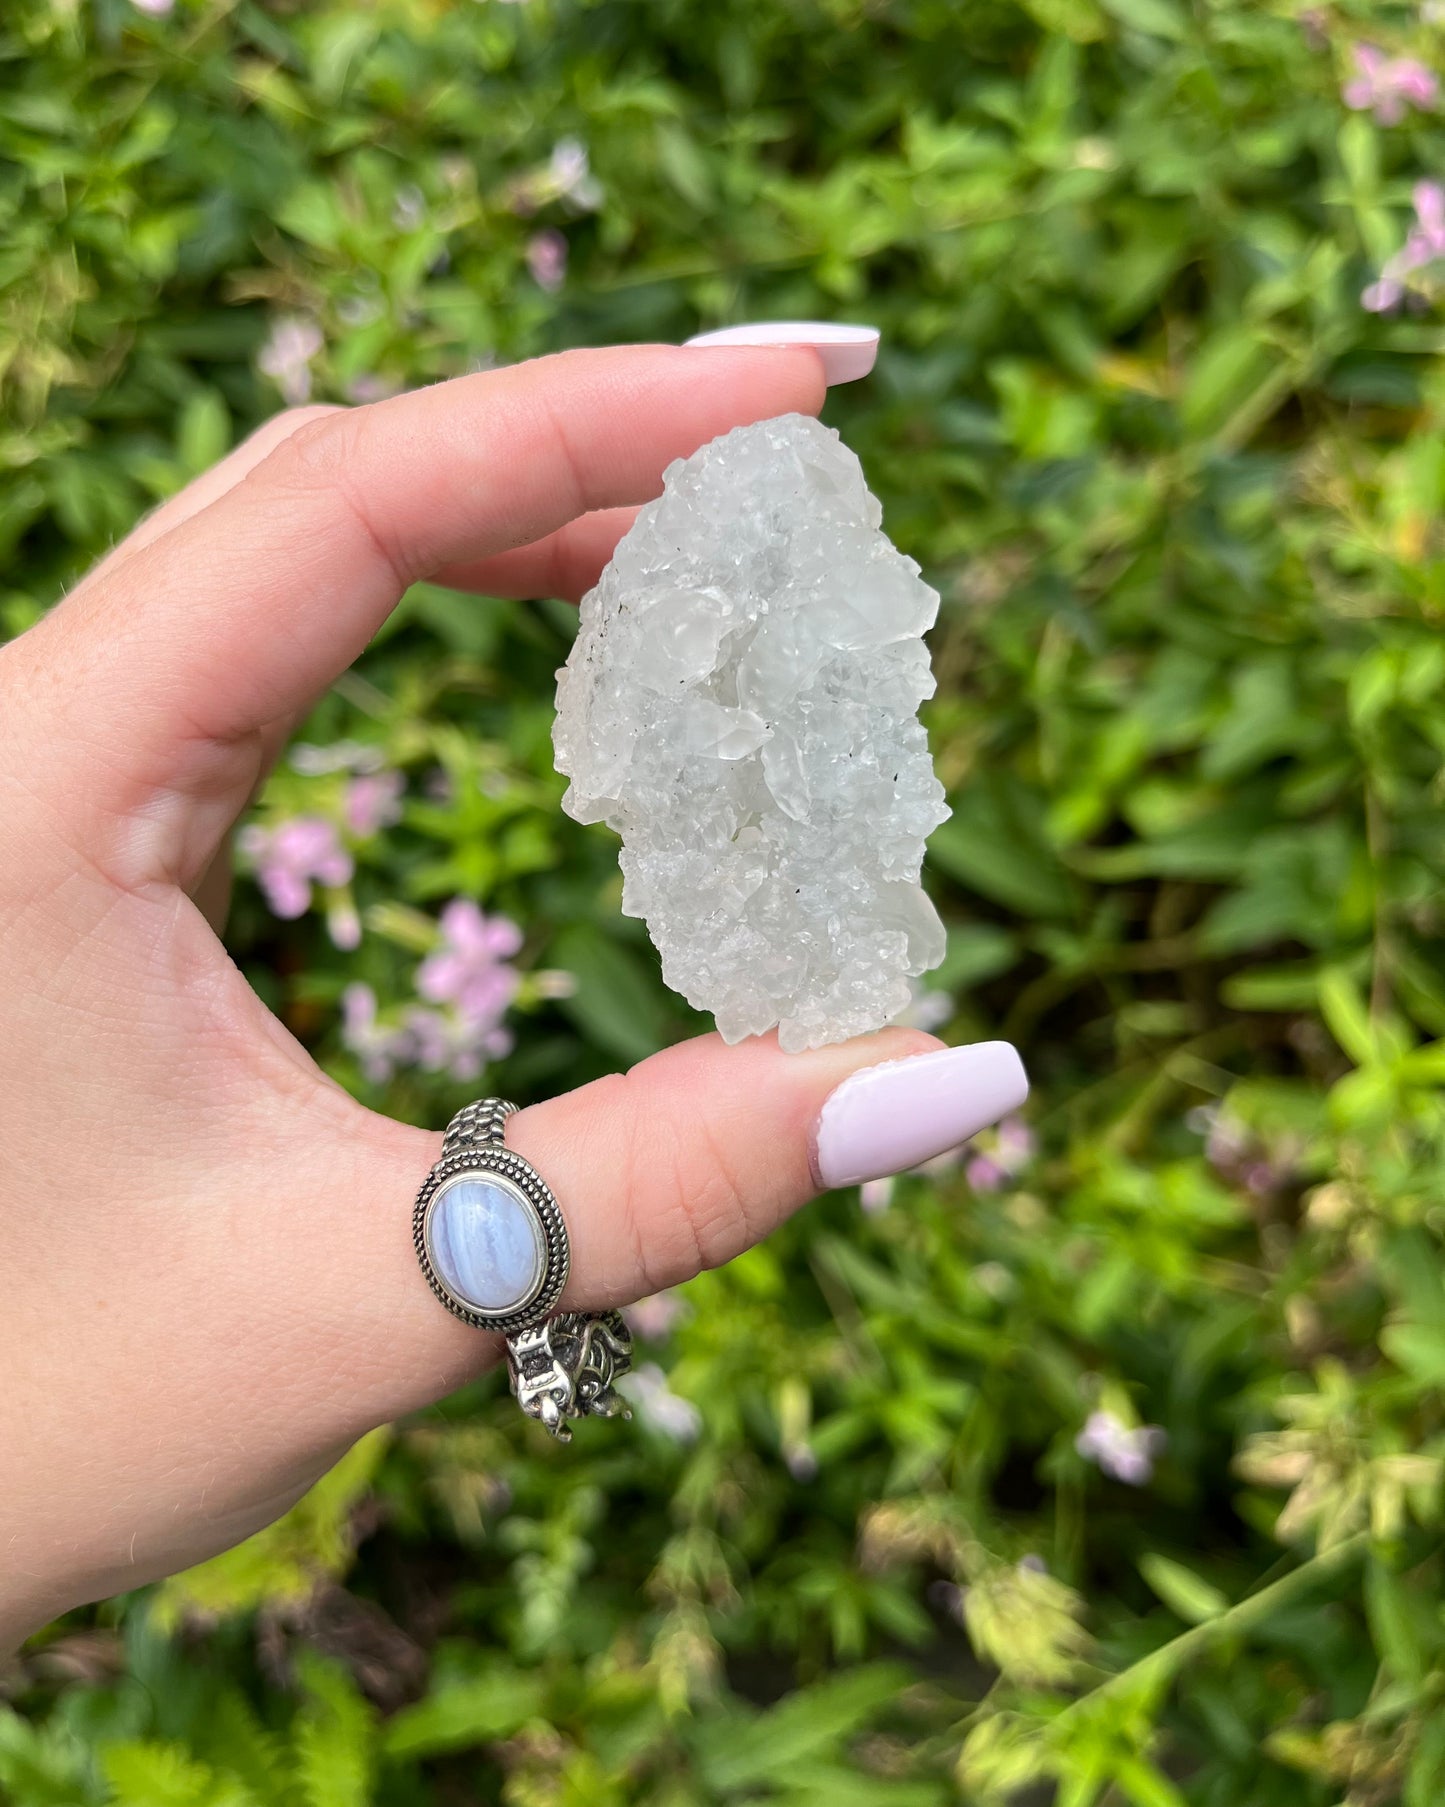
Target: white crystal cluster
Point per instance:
(741, 706)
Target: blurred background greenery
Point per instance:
(1102, 1467)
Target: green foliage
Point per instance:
(1183, 498)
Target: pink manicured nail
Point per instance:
(891, 1117)
(847, 351)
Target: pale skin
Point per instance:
(207, 1286)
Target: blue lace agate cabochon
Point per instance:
(485, 1243)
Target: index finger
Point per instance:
(245, 611)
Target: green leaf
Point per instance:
(811, 1722)
(1417, 1348)
(1263, 721)
(203, 436)
(1144, 1785)
(994, 843)
(976, 951)
(619, 1002)
(1373, 687)
(683, 164)
(41, 1766)
(144, 1774)
(1158, 18)
(1344, 1010)
(1359, 148)
(1225, 371)
(334, 1741)
(837, 1785)
(1286, 988)
(461, 1714)
(312, 212)
(342, 41)
(474, 625)
(1081, 20)
(1397, 1624)
(235, 1742)
(1192, 1598)
(1213, 846)
(1425, 1784)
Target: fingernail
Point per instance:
(847, 351)
(894, 1116)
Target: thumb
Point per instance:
(702, 1150)
(675, 1166)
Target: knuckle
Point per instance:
(291, 420)
(686, 1179)
(714, 1198)
(322, 457)
(619, 1102)
(311, 450)
(283, 427)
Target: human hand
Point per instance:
(209, 1285)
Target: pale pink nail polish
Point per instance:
(847, 351)
(891, 1117)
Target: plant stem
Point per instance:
(1248, 1612)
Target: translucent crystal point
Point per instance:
(741, 706)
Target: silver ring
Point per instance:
(492, 1243)
(490, 1236)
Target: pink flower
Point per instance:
(1429, 199)
(547, 258)
(158, 9)
(470, 968)
(1238, 1155)
(471, 974)
(1416, 82)
(653, 1318)
(1424, 246)
(567, 176)
(1127, 1453)
(1003, 1153)
(657, 1405)
(380, 1050)
(1388, 86)
(1363, 91)
(292, 857)
(343, 924)
(801, 1461)
(571, 175)
(1227, 1143)
(984, 1174)
(373, 802)
(1015, 1144)
(369, 387)
(875, 1196)
(335, 756)
(447, 1041)
(925, 1009)
(436, 1041)
(1380, 296)
(286, 356)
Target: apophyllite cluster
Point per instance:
(741, 707)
